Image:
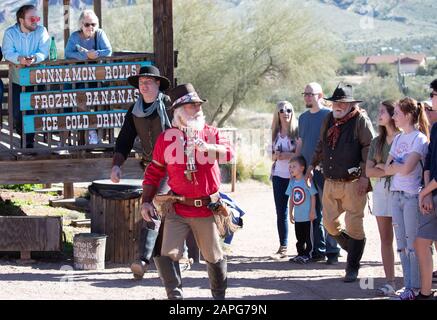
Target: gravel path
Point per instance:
(252, 275)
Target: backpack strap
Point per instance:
(95, 40)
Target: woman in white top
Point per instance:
(285, 144)
(404, 163)
(375, 165)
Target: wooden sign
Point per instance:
(79, 73)
(74, 121)
(84, 99)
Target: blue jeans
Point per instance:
(281, 202)
(405, 211)
(324, 244)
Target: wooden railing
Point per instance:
(61, 101)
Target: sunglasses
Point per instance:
(432, 94)
(307, 94)
(286, 110)
(34, 19)
(89, 25)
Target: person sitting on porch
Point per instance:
(89, 42)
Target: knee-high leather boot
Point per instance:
(342, 239)
(217, 273)
(146, 245)
(354, 254)
(170, 275)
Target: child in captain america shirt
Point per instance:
(302, 209)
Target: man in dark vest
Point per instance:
(147, 118)
(342, 150)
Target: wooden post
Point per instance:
(66, 21)
(163, 37)
(68, 190)
(98, 11)
(45, 13)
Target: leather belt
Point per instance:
(196, 202)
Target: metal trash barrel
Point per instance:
(116, 212)
(89, 251)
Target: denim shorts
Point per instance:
(428, 223)
(380, 197)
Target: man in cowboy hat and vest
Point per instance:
(147, 118)
(342, 149)
(189, 153)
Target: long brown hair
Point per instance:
(418, 115)
(389, 105)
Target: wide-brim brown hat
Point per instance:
(150, 71)
(343, 93)
(184, 94)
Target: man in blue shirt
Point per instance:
(310, 123)
(24, 44)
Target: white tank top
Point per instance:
(283, 144)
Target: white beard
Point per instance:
(182, 119)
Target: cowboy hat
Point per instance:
(183, 94)
(343, 93)
(149, 71)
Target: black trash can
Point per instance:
(116, 212)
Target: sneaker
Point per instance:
(299, 259)
(318, 258)
(304, 259)
(408, 294)
(280, 254)
(387, 290)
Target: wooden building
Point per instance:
(60, 112)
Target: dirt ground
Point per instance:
(252, 274)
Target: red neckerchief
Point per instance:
(334, 131)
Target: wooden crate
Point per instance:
(30, 233)
(121, 221)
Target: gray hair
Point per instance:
(86, 13)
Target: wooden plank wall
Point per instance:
(30, 233)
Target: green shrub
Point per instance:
(261, 171)
(21, 187)
(243, 170)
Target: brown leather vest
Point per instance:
(148, 130)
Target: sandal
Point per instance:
(386, 290)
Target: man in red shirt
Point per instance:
(190, 153)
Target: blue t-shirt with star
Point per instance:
(301, 194)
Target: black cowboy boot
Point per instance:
(343, 240)
(147, 238)
(217, 273)
(146, 245)
(356, 249)
(170, 275)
